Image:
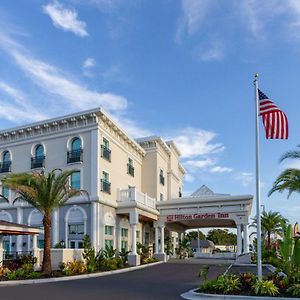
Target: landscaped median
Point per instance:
(194, 295)
(76, 277)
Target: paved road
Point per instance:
(164, 281)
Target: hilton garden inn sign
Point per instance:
(171, 218)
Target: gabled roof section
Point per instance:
(205, 191)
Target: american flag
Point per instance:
(274, 119)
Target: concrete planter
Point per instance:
(192, 295)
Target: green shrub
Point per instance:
(203, 273)
(62, 265)
(227, 284)
(75, 267)
(208, 286)
(265, 288)
(114, 263)
(11, 275)
(123, 254)
(109, 252)
(33, 275)
(294, 290)
(150, 260)
(89, 254)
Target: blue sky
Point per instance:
(177, 69)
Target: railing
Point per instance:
(132, 195)
(74, 156)
(130, 170)
(38, 162)
(106, 153)
(5, 167)
(105, 186)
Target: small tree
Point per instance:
(45, 192)
(89, 254)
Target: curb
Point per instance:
(75, 277)
(192, 295)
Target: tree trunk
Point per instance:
(47, 269)
(269, 241)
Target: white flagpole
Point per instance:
(259, 266)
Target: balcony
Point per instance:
(5, 167)
(38, 162)
(105, 186)
(133, 196)
(74, 156)
(105, 153)
(130, 170)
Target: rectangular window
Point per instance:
(138, 234)
(105, 184)
(130, 167)
(124, 232)
(161, 197)
(147, 238)
(76, 229)
(75, 180)
(109, 243)
(41, 244)
(109, 230)
(105, 151)
(161, 177)
(5, 191)
(124, 245)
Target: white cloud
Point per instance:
(18, 108)
(89, 63)
(219, 169)
(213, 51)
(188, 178)
(193, 14)
(198, 164)
(65, 19)
(193, 142)
(245, 178)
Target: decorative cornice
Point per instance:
(55, 125)
(152, 141)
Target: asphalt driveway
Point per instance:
(164, 281)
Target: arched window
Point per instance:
(6, 157)
(75, 153)
(76, 144)
(6, 162)
(39, 151)
(39, 157)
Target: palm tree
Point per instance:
(271, 223)
(46, 193)
(289, 179)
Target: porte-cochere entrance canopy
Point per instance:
(203, 209)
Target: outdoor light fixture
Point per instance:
(62, 244)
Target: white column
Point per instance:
(239, 239)
(156, 239)
(94, 208)
(246, 238)
(118, 231)
(1, 250)
(162, 239)
(55, 227)
(19, 246)
(133, 238)
(34, 250)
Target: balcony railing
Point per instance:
(5, 167)
(74, 156)
(162, 179)
(106, 153)
(38, 162)
(105, 186)
(133, 195)
(130, 170)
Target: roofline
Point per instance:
(156, 139)
(84, 112)
(212, 198)
(173, 144)
(98, 111)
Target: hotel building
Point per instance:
(134, 186)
